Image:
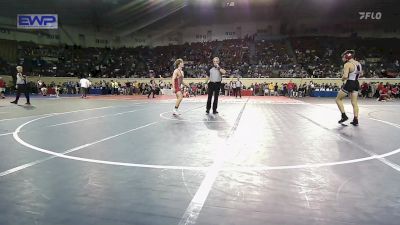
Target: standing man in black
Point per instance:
(22, 86)
(214, 75)
(152, 88)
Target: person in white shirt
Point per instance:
(43, 89)
(238, 85)
(57, 90)
(233, 87)
(22, 86)
(227, 87)
(85, 84)
(39, 86)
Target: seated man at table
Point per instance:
(266, 90)
(395, 91)
(271, 88)
(383, 94)
(43, 89)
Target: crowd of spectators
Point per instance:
(320, 56)
(248, 57)
(380, 91)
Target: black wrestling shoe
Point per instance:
(28, 103)
(344, 118)
(207, 111)
(354, 122)
(14, 102)
(215, 112)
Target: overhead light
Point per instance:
(228, 4)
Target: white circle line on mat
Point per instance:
(201, 168)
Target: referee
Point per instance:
(21, 86)
(214, 75)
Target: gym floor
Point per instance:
(262, 160)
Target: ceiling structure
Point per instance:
(124, 17)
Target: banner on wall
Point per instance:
(37, 21)
(373, 60)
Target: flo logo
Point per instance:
(370, 15)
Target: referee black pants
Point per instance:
(238, 92)
(213, 89)
(22, 88)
